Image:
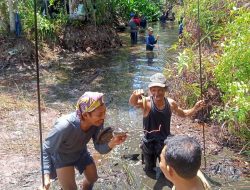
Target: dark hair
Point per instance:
(183, 154)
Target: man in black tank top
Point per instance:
(157, 111)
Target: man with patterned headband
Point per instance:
(65, 148)
(157, 112)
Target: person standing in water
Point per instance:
(133, 29)
(150, 40)
(157, 111)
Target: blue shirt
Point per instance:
(67, 141)
(180, 28)
(150, 41)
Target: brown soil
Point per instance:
(20, 157)
(90, 38)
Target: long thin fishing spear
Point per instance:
(38, 88)
(201, 89)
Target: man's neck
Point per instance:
(84, 125)
(192, 184)
(160, 104)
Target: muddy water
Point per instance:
(117, 74)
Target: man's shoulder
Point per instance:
(65, 121)
(67, 117)
(171, 101)
(203, 180)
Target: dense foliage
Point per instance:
(151, 9)
(233, 69)
(47, 28)
(97, 12)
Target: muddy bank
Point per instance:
(19, 52)
(90, 38)
(16, 52)
(17, 58)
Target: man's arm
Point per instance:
(135, 98)
(101, 148)
(187, 112)
(105, 148)
(157, 38)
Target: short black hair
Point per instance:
(183, 154)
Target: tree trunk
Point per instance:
(70, 7)
(11, 16)
(46, 7)
(65, 6)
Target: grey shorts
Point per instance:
(80, 164)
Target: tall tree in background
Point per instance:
(11, 15)
(3, 16)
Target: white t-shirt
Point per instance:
(203, 180)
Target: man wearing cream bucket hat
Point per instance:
(157, 111)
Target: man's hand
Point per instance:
(138, 92)
(157, 37)
(199, 105)
(117, 140)
(46, 182)
(135, 97)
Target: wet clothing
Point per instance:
(133, 37)
(143, 23)
(205, 183)
(163, 18)
(181, 28)
(150, 42)
(18, 26)
(156, 129)
(157, 120)
(66, 144)
(133, 31)
(137, 21)
(150, 57)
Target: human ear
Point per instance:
(84, 116)
(170, 170)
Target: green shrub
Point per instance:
(233, 70)
(149, 8)
(225, 38)
(47, 28)
(213, 16)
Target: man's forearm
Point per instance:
(103, 148)
(189, 112)
(133, 100)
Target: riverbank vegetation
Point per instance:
(54, 15)
(225, 38)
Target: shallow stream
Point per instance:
(117, 74)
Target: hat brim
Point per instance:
(156, 84)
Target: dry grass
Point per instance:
(9, 102)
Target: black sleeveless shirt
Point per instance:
(156, 125)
